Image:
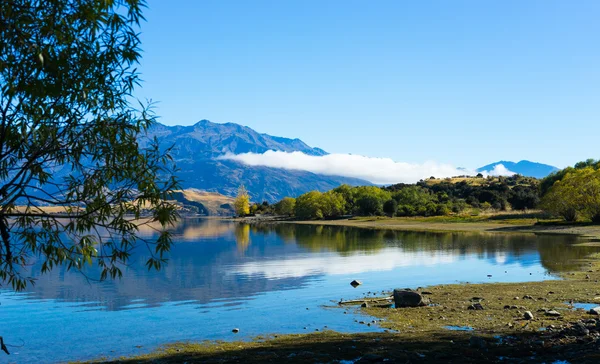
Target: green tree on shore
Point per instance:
(286, 206)
(576, 194)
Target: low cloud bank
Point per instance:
(375, 170)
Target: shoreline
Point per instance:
(436, 224)
(497, 333)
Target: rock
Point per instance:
(426, 292)
(552, 313)
(527, 297)
(404, 298)
(477, 342)
(476, 299)
(476, 306)
(355, 283)
(489, 276)
(235, 331)
(580, 329)
(507, 307)
(528, 315)
(364, 305)
(594, 311)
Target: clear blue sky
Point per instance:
(461, 82)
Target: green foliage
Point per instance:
(577, 193)
(317, 205)
(368, 200)
(67, 74)
(549, 181)
(308, 205)
(390, 207)
(285, 206)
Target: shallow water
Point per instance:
(262, 280)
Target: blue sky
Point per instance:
(460, 82)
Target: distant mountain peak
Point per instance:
(524, 167)
(197, 148)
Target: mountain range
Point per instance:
(197, 148)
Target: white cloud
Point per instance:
(500, 170)
(376, 170)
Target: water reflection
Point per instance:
(216, 261)
(261, 279)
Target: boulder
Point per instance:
(552, 313)
(594, 311)
(235, 331)
(476, 306)
(355, 283)
(528, 315)
(404, 298)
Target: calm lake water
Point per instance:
(262, 280)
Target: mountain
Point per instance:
(524, 168)
(209, 140)
(196, 148)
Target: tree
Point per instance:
(242, 202)
(390, 206)
(576, 194)
(308, 205)
(369, 200)
(332, 204)
(285, 206)
(71, 140)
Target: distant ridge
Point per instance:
(524, 168)
(196, 148)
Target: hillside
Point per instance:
(213, 204)
(196, 148)
(524, 168)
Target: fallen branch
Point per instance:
(3, 347)
(358, 302)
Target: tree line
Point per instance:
(571, 194)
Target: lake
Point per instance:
(261, 279)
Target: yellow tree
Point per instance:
(242, 202)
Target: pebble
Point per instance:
(528, 315)
(235, 331)
(552, 313)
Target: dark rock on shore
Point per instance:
(406, 298)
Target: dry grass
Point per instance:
(211, 200)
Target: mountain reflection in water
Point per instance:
(218, 261)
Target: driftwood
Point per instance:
(3, 347)
(358, 302)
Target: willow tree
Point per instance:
(75, 174)
(576, 194)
